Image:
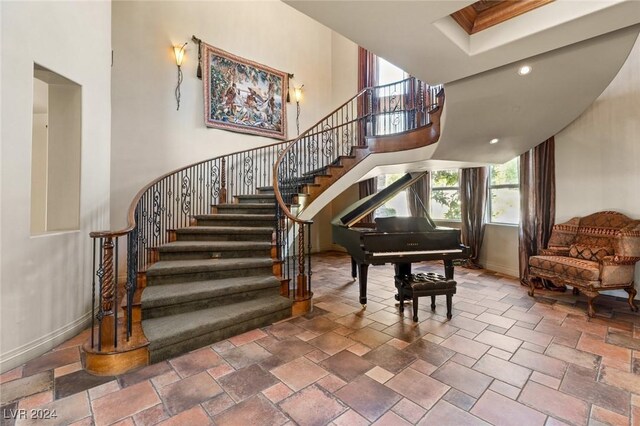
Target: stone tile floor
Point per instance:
(504, 359)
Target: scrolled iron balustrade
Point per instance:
(375, 111)
(165, 204)
(168, 202)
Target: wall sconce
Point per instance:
(298, 94)
(178, 51)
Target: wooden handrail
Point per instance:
(131, 222)
(432, 107)
(276, 189)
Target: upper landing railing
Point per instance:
(376, 111)
(171, 200)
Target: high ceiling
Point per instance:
(575, 49)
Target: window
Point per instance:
(388, 73)
(445, 195)
(396, 206)
(390, 99)
(504, 193)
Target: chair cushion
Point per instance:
(594, 254)
(567, 267)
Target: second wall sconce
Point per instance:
(297, 90)
(178, 51)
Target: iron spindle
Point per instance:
(93, 291)
(116, 306)
(309, 258)
(100, 312)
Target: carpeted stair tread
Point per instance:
(235, 216)
(256, 198)
(176, 267)
(186, 246)
(174, 329)
(225, 230)
(246, 205)
(169, 294)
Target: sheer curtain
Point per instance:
(537, 206)
(474, 189)
(418, 194)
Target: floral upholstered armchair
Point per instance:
(594, 253)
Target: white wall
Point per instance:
(63, 157)
(149, 136)
(344, 85)
(597, 165)
(598, 155)
(39, 173)
(45, 292)
(499, 250)
(344, 69)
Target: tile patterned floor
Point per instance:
(504, 359)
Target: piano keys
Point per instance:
(397, 240)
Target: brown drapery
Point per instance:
(537, 205)
(367, 70)
(418, 195)
(474, 188)
(367, 187)
(367, 77)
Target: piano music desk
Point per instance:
(429, 284)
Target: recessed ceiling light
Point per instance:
(494, 140)
(524, 70)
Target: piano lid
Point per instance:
(366, 205)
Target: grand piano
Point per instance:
(397, 240)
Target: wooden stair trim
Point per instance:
(111, 361)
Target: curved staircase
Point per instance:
(199, 270)
(215, 280)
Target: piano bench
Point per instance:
(429, 284)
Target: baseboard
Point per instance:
(26, 352)
(620, 294)
(506, 270)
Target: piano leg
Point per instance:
(354, 268)
(448, 269)
(363, 269)
(402, 269)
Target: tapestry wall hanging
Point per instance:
(243, 96)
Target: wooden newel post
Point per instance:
(107, 325)
(301, 282)
(223, 182)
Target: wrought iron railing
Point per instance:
(170, 201)
(165, 204)
(375, 111)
